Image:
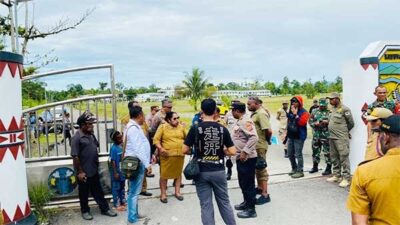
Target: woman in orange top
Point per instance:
(169, 141)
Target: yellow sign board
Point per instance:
(390, 57)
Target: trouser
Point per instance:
(319, 144)
(295, 152)
(339, 149)
(206, 184)
(67, 135)
(246, 181)
(118, 190)
(93, 186)
(262, 174)
(144, 184)
(134, 190)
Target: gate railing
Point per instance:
(54, 124)
(55, 144)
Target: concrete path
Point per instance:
(307, 201)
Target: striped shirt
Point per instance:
(137, 143)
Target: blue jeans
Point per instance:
(135, 186)
(295, 152)
(118, 190)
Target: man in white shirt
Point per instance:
(137, 145)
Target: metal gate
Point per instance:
(47, 149)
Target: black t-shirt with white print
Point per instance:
(212, 137)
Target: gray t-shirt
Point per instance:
(85, 147)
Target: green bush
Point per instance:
(40, 195)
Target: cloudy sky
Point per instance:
(152, 41)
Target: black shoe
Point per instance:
(328, 170)
(286, 155)
(228, 176)
(145, 193)
(258, 191)
(262, 200)
(109, 213)
(248, 213)
(241, 206)
(315, 168)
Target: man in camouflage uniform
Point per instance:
(340, 123)
(381, 100)
(319, 123)
(244, 136)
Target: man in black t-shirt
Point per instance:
(212, 138)
(86, 163)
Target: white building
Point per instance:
(168, 93)
(150, 97)
(242, 94)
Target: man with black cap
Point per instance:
(244, 136)
(86, 163)
(374, 194)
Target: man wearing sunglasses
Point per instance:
(159, 117)
(374, 194)
(296, 135)
(375, 119)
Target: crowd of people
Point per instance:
(243, 137)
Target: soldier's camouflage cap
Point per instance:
(323, 102)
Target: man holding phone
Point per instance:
(86, 163)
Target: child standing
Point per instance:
(117, 179)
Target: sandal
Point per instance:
(179, 197)
(164, 200)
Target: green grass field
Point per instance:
(186, 111)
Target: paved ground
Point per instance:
(310, 200)
(303, 202)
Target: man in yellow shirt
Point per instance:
(374, 196)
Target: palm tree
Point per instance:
(196, 85)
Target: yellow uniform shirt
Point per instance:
(375, 189)
(373, 149)
(261, 121)
(125, 120)
(171, 138)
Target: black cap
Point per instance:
(239, 106)
(86, 117)
(391, 124)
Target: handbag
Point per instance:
(130, 165)
(261, 163)
(192, 169)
